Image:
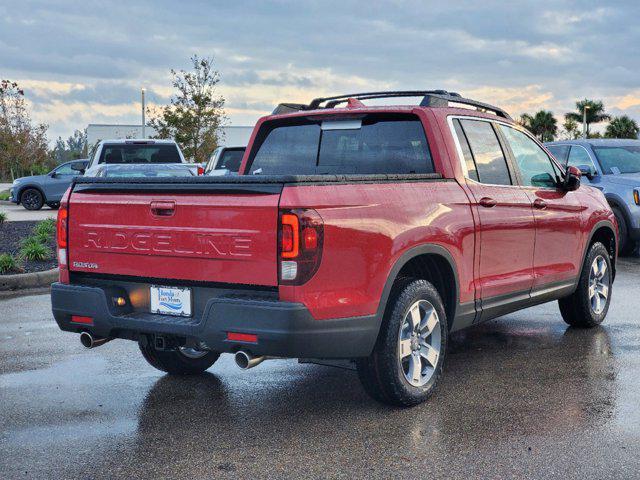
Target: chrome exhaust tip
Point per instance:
(245, 360)
(89, 341)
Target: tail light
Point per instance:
(62, 241)
(300, 245)
(200, 170)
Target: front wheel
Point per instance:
(406, 364)
(32, 199)
(589, 304)
(626, 246)
(181, 361)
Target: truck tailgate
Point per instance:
(218, 236)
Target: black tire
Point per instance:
(174, 362)
(32, 199)
(577, 309)
(626, 246)
(382, 373)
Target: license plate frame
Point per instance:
(175, 301)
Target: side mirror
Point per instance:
(78, 167)
(572, 179)
(586, 171)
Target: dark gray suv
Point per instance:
(613, 166)
(35, 191)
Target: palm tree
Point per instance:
(542, 124)
(595, 112)
(622, 127)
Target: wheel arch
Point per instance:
(431, 262)
(604, 232)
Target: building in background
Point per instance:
(232, 135)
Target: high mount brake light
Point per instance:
(301, 241)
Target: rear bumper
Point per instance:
(284, 329)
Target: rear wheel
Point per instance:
(181, 361)
(32, 199)
(589, 304)
(407, 361)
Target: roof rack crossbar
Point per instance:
(431, 98)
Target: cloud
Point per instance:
(82, 62)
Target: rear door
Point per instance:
(163, 231)
(506, 229)
(558, 246)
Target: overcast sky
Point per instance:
(84, 62)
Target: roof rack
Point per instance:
(431, 98)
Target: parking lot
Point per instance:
(17, 213)
(522, 396)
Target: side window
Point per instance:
(466, 151)
(560, 152)
(66, 170)
(535, 165)
(578, 156)
(489, 158)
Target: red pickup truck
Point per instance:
(366, 233)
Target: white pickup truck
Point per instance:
(128, 152)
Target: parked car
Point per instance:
(225, 159)
(360, 233)
(612, 166)
(147, 171)
(119, 152)
(37, 190)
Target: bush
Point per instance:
(33, 249)
(8, 263)
(3, 217)
(4, 195)
(45, 230)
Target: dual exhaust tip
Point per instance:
(244, 360)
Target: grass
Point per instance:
(4, 195)
(3, 217)
(33, 249)
(45, 230)
(8, 263)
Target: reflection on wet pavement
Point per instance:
(524, 396)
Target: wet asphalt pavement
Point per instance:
(523, 397)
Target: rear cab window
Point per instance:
(370, 144)
(139, 153)
(484, 159)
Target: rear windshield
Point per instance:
(132, 153)
(231, 159)
(375, 144)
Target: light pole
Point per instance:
(584, 120)
(143, 132)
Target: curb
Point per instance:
(25, 281)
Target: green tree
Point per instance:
(74, 147)
(570, 130)
(23, 144)
(622, 127)
(196, 111)
(542, 124)
(595, 112)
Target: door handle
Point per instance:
(539, 204)
(163, 209)
(488, 202)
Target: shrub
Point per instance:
(45, 230)
(33, 249)
(4, 195)
(8, 263)
(3, 217)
